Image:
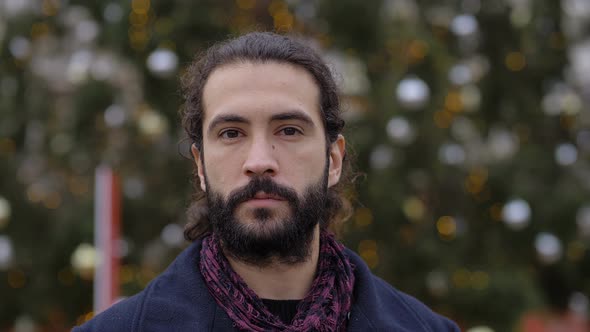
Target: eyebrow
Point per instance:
(234, 118)
(227, 118)
(293, 115)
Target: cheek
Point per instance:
(219, 172)
(306, 165)
(217, 175)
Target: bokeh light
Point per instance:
(412, 93)
(516, 214)
(566, 154)
(400, 130)
(549, 248)
(162, 62)
(6, 252)
(5, 211)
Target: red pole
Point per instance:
(107, 216)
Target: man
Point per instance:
(263, 115)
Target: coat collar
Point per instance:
(179, 297)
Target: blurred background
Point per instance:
(469, 120)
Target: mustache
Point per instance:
(261, 184)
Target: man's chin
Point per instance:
(255, 216)
(264, 243)
(263, 229)
(264, 258)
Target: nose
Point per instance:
(261, 159)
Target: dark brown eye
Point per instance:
(231, 133)
(290, 131)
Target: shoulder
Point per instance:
(420, 313)
(383, 307)
(119, 317)
(176, 298)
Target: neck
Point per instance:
(279, 281)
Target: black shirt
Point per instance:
(284, 309)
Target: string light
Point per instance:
(6, 252)
(139, 18)
(437, 283)
(162, 62)
(381, 157)
(113, 13)
(583, 221)
(566, 154)
(172, 235)
(5, 211)
(50, 7)
(400, 130)
(446, 227)
(412, 93)
(464, 25)
(548, 247)
(414, 209)
(515, 61)
(516, 214)
(84, 260)
(476, 180)
(417, 51)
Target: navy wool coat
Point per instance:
(178, 300)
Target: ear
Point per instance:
(200, 169)
(336, 156)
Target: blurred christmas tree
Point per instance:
(469, 119)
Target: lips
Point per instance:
(262, 195)
(264, 200)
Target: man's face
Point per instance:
(264, 155)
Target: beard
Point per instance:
(271, 236)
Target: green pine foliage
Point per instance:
(467, 121)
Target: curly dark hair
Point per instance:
(260, 47)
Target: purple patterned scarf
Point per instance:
(324, 308)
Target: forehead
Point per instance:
(245, 88)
